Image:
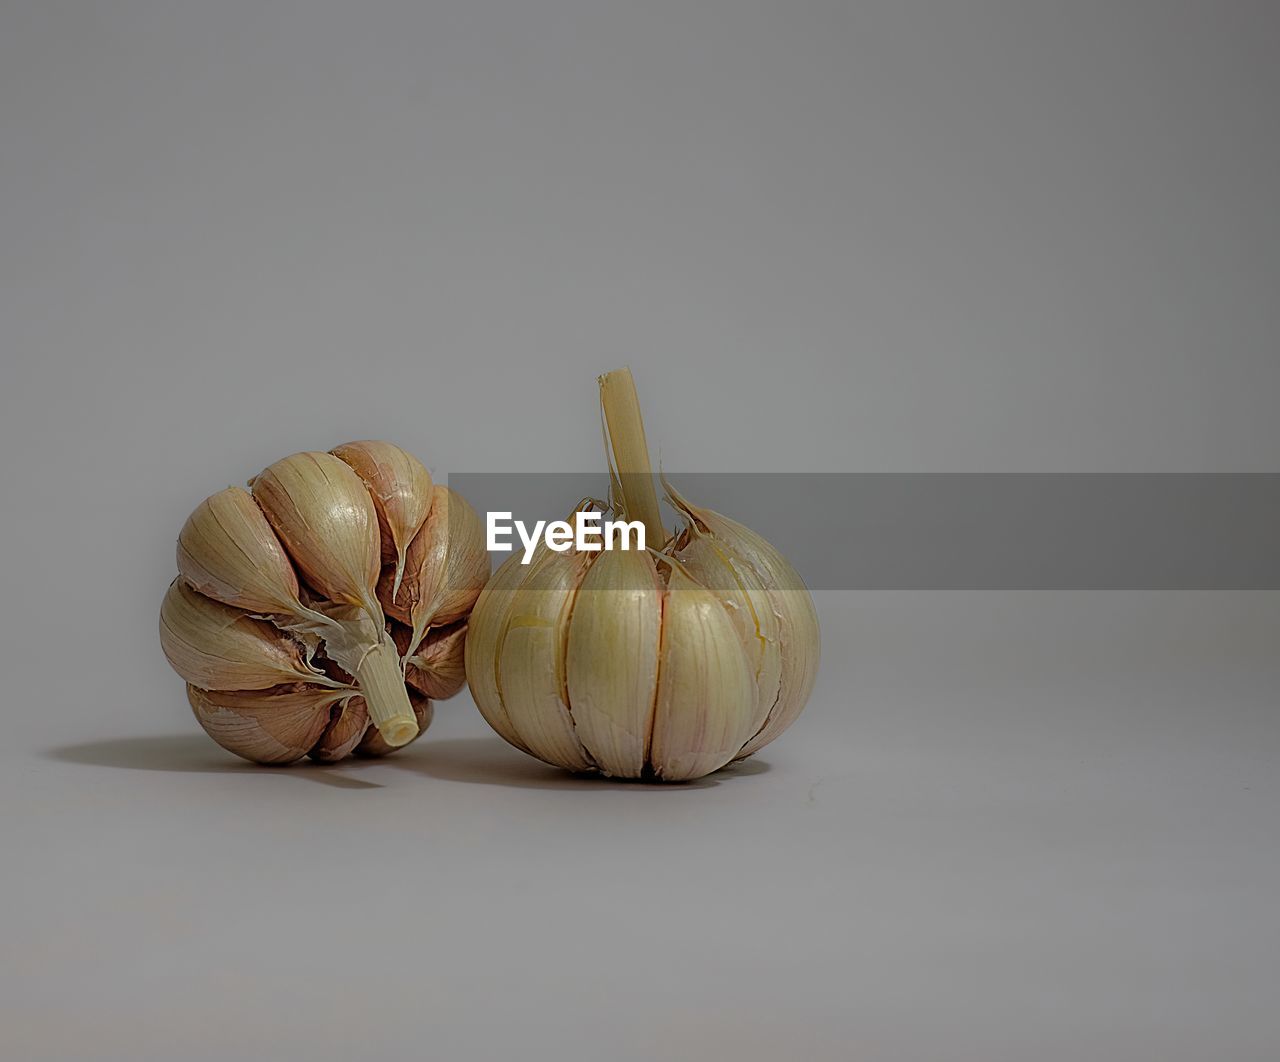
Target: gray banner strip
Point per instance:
(944, 531)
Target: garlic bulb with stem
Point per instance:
(665, 664)
(318, 650)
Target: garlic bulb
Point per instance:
(664, 664)
(279, 667)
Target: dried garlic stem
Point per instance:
(382, 684)
(639, 499)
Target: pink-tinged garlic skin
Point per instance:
(264, 726)
(438, 669)
(215, 646)
(324, 517)
(399, 486)
(283, 725)
(228, 551)
(445, 568)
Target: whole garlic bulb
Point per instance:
(662, 664)
(304, 605)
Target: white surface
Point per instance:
(1008, 827)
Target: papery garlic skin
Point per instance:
(227, 550)
(214, 646)
(788, 599)
(486, 629)
(702, 716)
(530, 660)
(278, 668)
(270, 726)
(346, 730)
(750, 608)
(446, 567)
(322, 513)
(437, 667)
(400, 487)
(611, 660)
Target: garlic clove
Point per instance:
(401, 491)
(748, 606)
(214, 646)
(326, 520)
(227, 551)
(484, 637)
(706, 691)
(437, 667)
(264, 726)
(445, 569)
(530, 669)
(612, 659)
(791, 602)
(374, 744)
(346, 729)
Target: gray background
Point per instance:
(827, 237)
